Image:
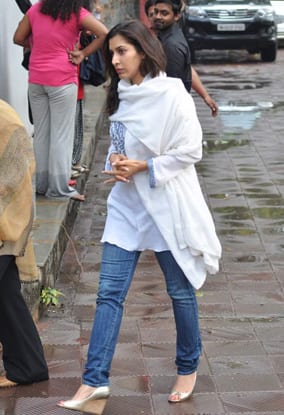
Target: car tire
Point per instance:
(269, 54)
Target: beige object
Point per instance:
(16, 202)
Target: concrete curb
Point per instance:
(55, 218)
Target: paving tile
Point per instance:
(278, 363)
(260, 413)
(64, 368)
(129, 335)
(166, 366)
(281, 378)
(156, 323)
(216, 310)
(85, 299)
(35, 406)
(155, 310)
(229, 329)
(211, 297)
(247, 382)
(241, 364)
(199, 404)
(137, 405)
(164, 384)
(84, 312)
(147, 297)
(266, 333)
(128, 351)
(233, 348)
(62, 387)
(128, 367)
(252, 277)
(159, 349)
(154, 335)
(250, 402)
(130, 385)
(61, 352)
(273, 347)
(160, 366)
(67, 337)
(87, 287)
(268, 297)
(260, 310)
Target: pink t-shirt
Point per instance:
(51, 40)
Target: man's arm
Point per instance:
(200, 89)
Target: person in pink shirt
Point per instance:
(51, 29)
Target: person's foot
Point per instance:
(75, 174)
(183, 388)
(6, 383)
(79, 198)
(80, 169)
(85, 395)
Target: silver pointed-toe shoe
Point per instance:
(100, 394)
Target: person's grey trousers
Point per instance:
(53, 110)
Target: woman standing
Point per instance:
(156, 203)
(22, 353)
(51, 29)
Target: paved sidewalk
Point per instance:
(241, 309)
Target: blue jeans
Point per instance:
(117, 270)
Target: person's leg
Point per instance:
(23, 356)
(117, 270)
(30, 112)
(185, 309)
(41, 118)
(78, 134)
(62, 101)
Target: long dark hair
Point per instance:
(138, 35)
(61, 9)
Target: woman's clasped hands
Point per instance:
(123, 168)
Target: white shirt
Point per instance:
(128, 224)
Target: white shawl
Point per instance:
(160, 119)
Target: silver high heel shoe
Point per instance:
(100, 394)
(176, 397)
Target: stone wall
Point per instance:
(115, 11)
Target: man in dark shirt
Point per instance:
(167, 14)
(163, 16)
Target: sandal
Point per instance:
(75, 174)
(176, 396)
(81, 169)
